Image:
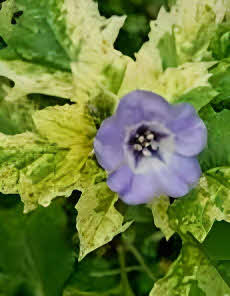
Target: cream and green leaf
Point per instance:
(44, 166)
(88, 38)
(15, 116)
(176, 59)
(35, 63)
(192, 274)
(159, 207)
(30, 78)
(98, 221)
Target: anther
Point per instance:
(146, 144)
(150, 136)
(137, 147)
(148, 132)
(141, 139)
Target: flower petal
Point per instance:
(187, 168)
(108, 144)
(190, 131)
(140, 106)
(120, 180)
(171, 184)
(142, 189)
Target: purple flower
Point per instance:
(149, 147)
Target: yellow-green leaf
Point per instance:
(98, 221)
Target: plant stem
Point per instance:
(126, 289)
(140, 259)
(116, 271)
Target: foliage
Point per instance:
(63, 68)
(31, 247)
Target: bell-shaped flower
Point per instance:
(149, 147)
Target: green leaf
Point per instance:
(192, 274)
(36, 63)
(160, 207)
(139, 213)
(98, 221)
(193, 25)
(217, 151)
(223, 267)
(195, 290)
(16, 114)
(41, 169)
(136, 28)
(94, 276)
(17, 152)
(199, 97)
(178, 43)
(220, 81)
(216, 244)
(143, 284)
(93, 54)
(167, 49)
(68, 125)
(6, 14)
(39, 43)
(10, 121)
(219, 44)
(16, 117)
(56, 42)
(32, 78)
(216, 247)
(31, 247)
(196, 212)
(172, 84)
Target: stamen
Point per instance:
(141, 139)
(148, 132)
(147, 144)
(150, 136)
(137, 147)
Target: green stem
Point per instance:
(126, 289)
(115, 291)
(140, 259)
(115, 271)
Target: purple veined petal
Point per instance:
(140, 106)
(120, 180)
(187, 168)
(108, 144)
(143, 188)
(190, 131)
